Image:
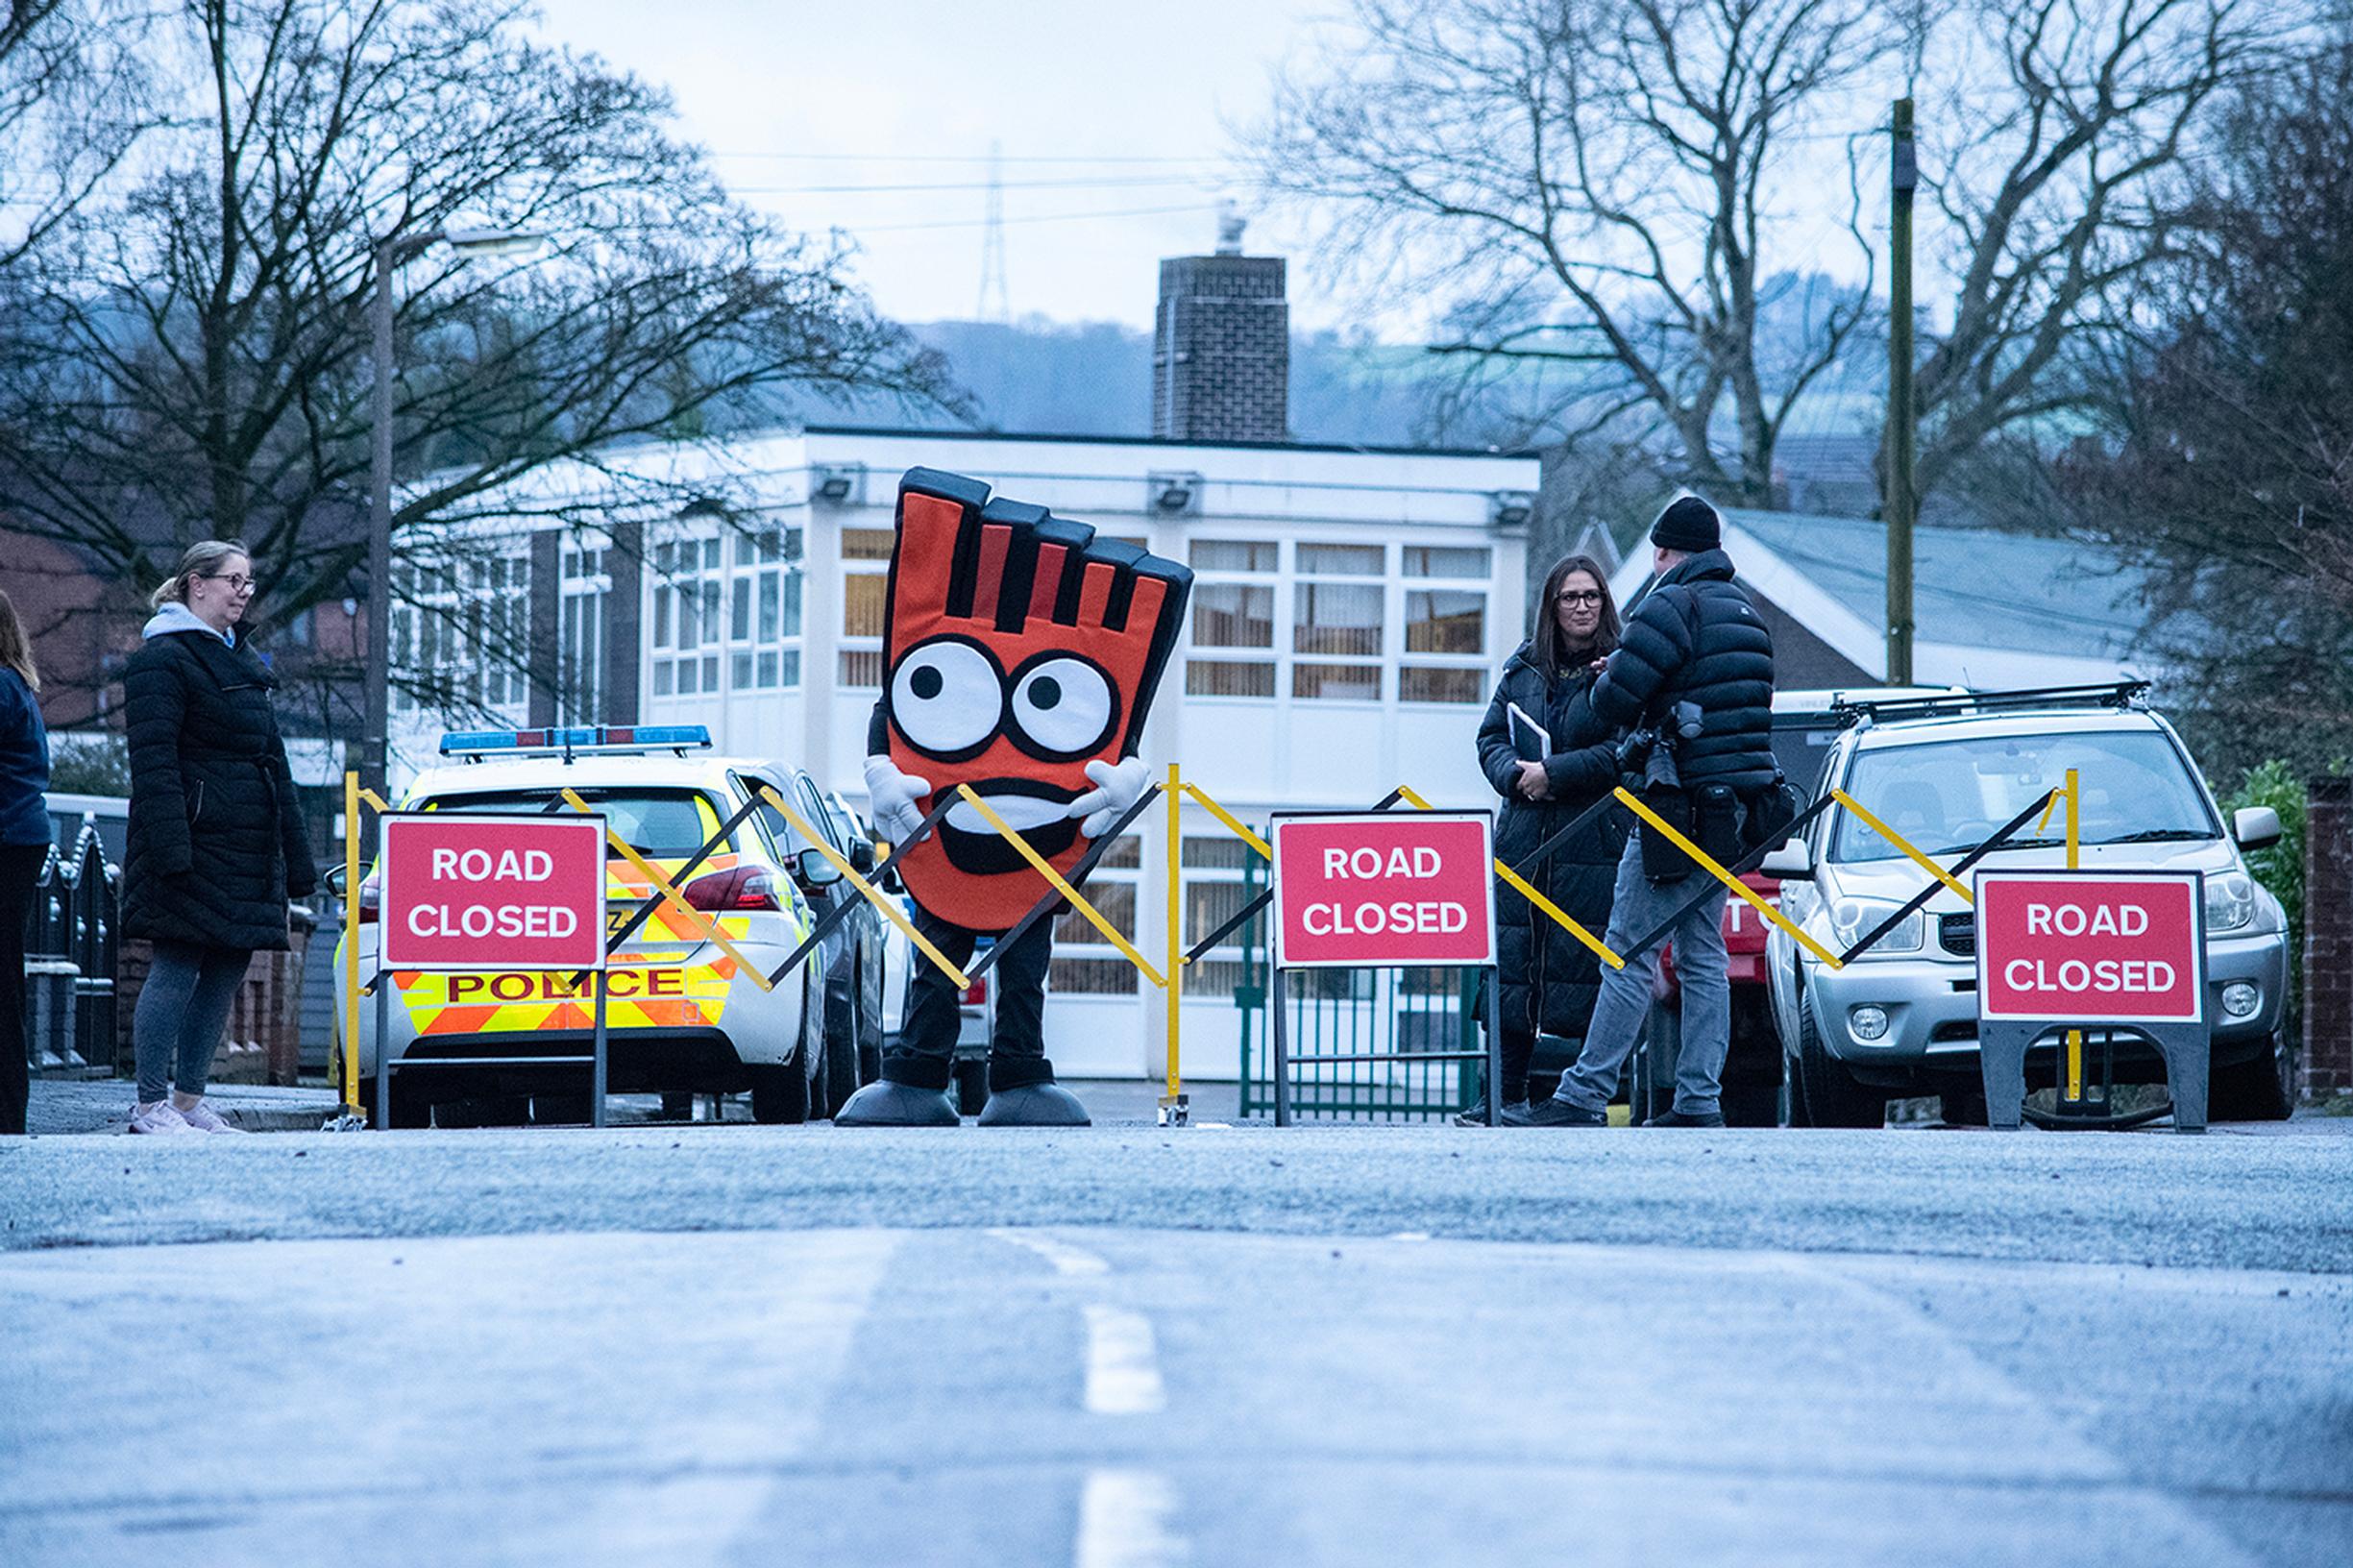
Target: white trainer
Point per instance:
(158, 1116)
(203, 1118)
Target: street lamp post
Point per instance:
(376, 744)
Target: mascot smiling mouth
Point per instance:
(1038, 811)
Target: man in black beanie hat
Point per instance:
(1693, 639)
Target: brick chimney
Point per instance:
(1221, 352)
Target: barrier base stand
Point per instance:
(2002, 1056)
(1174, 1110)
(345, 1121)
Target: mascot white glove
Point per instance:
(896, 798)
(1116, 787)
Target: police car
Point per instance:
(681, 1016)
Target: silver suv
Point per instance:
(1945, 773)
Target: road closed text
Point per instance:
(1409, 888)
(2106, 976)
(2090, 947)
(466, 891)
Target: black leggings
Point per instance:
(1518, 1051)
(20, 870)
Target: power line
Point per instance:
(1107, 182)
(960, 158)
(1041, 217)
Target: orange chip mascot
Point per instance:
(1022, 653)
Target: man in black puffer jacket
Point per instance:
(1695, 639)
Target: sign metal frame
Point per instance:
(1277, 1003)
(2004, 1038)
(386, 976)
(591, 828)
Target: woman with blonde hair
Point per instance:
(216, 844)
(24, 846)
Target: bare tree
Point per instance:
(1601, 181)
(204, 364)
(2225, 462)
(70, 108)
(2055, 153)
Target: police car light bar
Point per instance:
(478, 743)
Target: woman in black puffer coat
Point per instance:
(1549, 978)
(216, 843)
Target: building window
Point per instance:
(1233, 617)
(1337, 606)
(580, 677)
(1085, 964)
(1214, 877)
(1445, 657)
(764, 610)
(688, 581)
(866, 586)
(461, 634)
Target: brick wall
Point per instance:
(547, 626)
(1222, 349)
(625, 564)
(2328, 939)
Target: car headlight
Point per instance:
(1851, 919)
(2230, 902)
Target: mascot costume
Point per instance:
(1022, 653)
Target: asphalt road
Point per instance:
(1128, 1346)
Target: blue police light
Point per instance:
(606, 738)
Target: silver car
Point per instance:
(1901, 1019)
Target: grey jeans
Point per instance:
(184, 1007)
(1624, 1001)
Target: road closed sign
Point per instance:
(493, 893)
(2092, 948)
(1383, 888)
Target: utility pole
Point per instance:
(1902, 504)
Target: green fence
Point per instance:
(1400, 1016)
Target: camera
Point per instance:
(1652, 747)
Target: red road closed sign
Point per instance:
(493, 893)
(1380, 888)
(2091, 946)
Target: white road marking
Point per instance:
(1122, 1376)
(1066, 1259)
(1125, 1521)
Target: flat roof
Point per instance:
(920, 433)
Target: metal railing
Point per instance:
(70, 939)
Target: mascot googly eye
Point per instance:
(1022, 649)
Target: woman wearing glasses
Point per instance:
(217, 846)
(1549, 978)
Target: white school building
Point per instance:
(1350, 610)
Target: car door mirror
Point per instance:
(334, 880)
(862, 856)
(815, 870)
(2255, 827)
(1792, 862)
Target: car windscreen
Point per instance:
(1946, 796)
(661, 825)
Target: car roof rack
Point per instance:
(2113, 694)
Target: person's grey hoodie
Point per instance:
(174, 616)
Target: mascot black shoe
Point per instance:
(883, 1103)
(1025, 1094)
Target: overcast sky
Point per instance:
(1100, 107)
